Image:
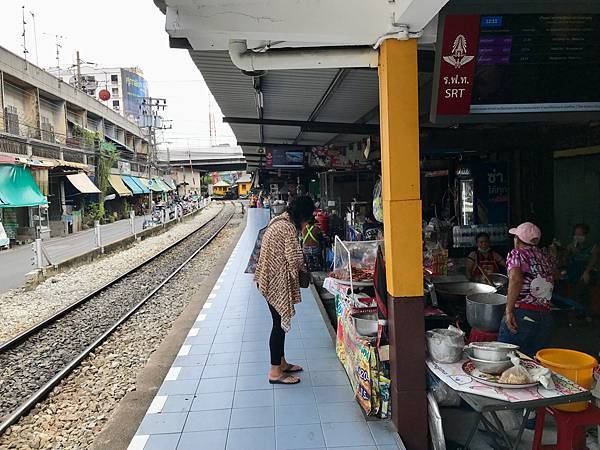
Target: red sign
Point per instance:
(459, 48)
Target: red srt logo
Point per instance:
(459, 49)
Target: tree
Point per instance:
(107, 156)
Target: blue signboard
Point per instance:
(135, 89)
(492, 192)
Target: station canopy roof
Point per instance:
(117, 184)
(82, 183)
(303, 107)
(18, 188)
(217, 158)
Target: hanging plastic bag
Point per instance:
(446, 345)
(436, 429)
(378, 202)
(444, 395)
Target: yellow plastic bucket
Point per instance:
(576, 366)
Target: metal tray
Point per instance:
(492, 380)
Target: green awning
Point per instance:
(18, 188)
(155, 186)
(158, 185)
(164, 185)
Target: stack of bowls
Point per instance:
(491, 357)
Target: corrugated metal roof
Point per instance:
(230, 87)
(356, 96)
(293, 94)
(288, 95)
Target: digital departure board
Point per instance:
(514, 67)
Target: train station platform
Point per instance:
(216, 395)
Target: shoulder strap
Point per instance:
(308, 234)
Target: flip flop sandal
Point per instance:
(291, 369)
(281, 380)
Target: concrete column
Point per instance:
(32, 113)
(61, 124)
(399, 117)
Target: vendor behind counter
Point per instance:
(484, 258)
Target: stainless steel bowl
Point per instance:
(485, 311)
(458, 291)
(492, 351)
(491, 367)
(365, 324)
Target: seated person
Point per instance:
(483, 258)
(371, 228)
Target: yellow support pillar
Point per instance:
(399, 118)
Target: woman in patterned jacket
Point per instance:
(277, 276)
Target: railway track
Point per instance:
(35, 361)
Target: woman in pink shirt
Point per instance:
(528, 322)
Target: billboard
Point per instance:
(134, 89)
(496, 65)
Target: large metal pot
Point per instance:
(485, 311)
(458, 291)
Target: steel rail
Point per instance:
(13, 342)
(41, 393)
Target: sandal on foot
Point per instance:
(282, 380)
(293, 368)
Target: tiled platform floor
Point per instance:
(216, 395)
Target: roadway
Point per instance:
(18, 261)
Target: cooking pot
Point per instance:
(485, 311)
(458, 291)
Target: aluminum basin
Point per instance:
(485, 311)
(458, 291)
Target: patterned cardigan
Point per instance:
(279, 264)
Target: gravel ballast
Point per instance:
(23, 309)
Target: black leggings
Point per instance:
(277, 339)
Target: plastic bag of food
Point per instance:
(446, 345)
(378, 202)
(517, 374)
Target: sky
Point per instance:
(119, 33)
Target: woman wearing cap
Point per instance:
(528, 322)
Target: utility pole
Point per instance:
(150, 119)
(78, 71)
(37, 61)
(25, 51)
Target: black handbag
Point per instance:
(304, 279)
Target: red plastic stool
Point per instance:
(477, 335)
(570, 426)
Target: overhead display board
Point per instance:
(289, 158)
(515, 62)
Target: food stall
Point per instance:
(361, 327)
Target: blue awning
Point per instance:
(136, 186)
